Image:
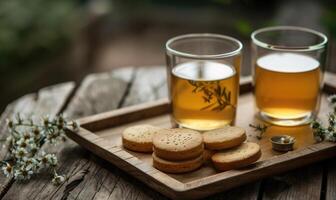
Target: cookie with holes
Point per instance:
(241, 156)
(224, 138)
(177, 167)
(139, 138)
(178, 144)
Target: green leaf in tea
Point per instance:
(212, 90)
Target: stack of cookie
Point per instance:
(177, 150)
(180, 150)
(230, 151)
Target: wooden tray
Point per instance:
(101, 134)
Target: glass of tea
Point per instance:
(288, 71)
(203, 79)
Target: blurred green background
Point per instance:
(47, 42)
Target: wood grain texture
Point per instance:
(149, 84)
(127, 188)
(69, 153)
(90, 99)
(246, 192)
(48, 100)
(253, 192)
(107, 144)
(75, 159)
(301, 184)
(100, 92)
(331, 179)
(122, 187)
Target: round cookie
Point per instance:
(177, 166)
(224, 138)
(139, 138)
(207, 154)
(178, 144)
(238, 157)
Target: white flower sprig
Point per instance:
(25, 157)
(329, 132)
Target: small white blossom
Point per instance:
(20, 153)
(23, 173)
(52, 159)
(47, 160)
(37, 133)
(43, 161)
(58, 179)
(52, 138)
(331, 137)
(33, 148)
(46, 121)
(17, 174)
(332, 99)
(75, 126)
(22, 142)
(30, 164)
(26, 136)
(55, 136)
(7, 169)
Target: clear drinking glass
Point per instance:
(203, 79)
(288, 71)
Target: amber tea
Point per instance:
(204, 94)
(287, 85)
(288, 71)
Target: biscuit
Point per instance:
(178, 144)
(207, 154)
(238, 157)
(139, 138)
(224, 138)
(177, 166)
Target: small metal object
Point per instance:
(282, 143)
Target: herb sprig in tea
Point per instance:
(213, 90)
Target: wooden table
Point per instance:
(94, 178)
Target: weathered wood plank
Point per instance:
(49, 100)
(274, 164)
(107, 184)
(102, 181)
(89, 185)
(108, 88)
(124, 190)
(100, 93)
(248, 192)
(122, 186)
(149, 84)
(331, 179)
(97, 93)
(304, 183)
